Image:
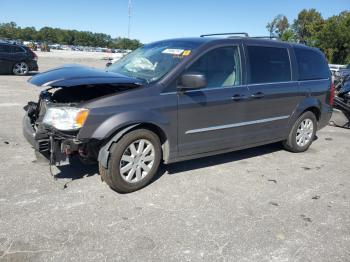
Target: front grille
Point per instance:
(44, 145)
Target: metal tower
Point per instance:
(129, 19)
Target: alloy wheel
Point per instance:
(137, 161)
(304, 132)
(20, 68)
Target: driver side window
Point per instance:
(221, 67)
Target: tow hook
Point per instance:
(68, 147)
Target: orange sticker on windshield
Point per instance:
(186, 53)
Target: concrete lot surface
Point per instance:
(262, 204)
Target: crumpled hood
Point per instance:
(75, 75)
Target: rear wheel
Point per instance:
(20, 69)
(302, 133)
(133, 162)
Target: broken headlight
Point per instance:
(65, 118)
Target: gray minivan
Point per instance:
(180, 99)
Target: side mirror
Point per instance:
(192, 81)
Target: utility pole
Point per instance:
(129, 19)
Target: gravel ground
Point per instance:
(262, 204)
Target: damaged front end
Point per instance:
(52, 124)
(46, 138)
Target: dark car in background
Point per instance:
(17, 59)
(343, 72)
(180, 99)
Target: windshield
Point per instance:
(153, 61)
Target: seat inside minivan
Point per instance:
(220, 66)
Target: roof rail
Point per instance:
(4, 40)
(241, 33)
(265, 37)
(8, 41)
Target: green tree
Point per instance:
(9, 30)
(278, 26)
(306, 26)
(47, 34)
(334, 38)
(125, 43)
(28, 33)
(67, 37)
(288, 36)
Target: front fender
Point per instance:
(118, 125)
(103, 154)
(114, 127)
(106, 128)
(121, 120)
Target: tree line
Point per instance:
(66, 37)
(331, 35)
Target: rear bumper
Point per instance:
(33, 65)
(326, 115)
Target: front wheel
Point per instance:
(20, 69)
(133, 162)
(302, 133)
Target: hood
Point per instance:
(75, 75)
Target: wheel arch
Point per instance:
(104, 151)
(315, 110)
(311, 104)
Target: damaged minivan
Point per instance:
(180, 99)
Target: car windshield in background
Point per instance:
(153, 61)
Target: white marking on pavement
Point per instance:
(9, 104)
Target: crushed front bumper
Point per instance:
(58, 146)
(56, 151)
(41, 145)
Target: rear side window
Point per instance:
(5, 49)
(268, 64)
(17, 49)
(311, 64)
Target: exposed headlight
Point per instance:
(65, 118)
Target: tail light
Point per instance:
(331, 97)
(35, 57)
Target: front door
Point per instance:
(209, 118)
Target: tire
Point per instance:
(20, 69)
(129, 170)
(294, 144)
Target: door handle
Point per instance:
(258, 95)
(238, 97)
